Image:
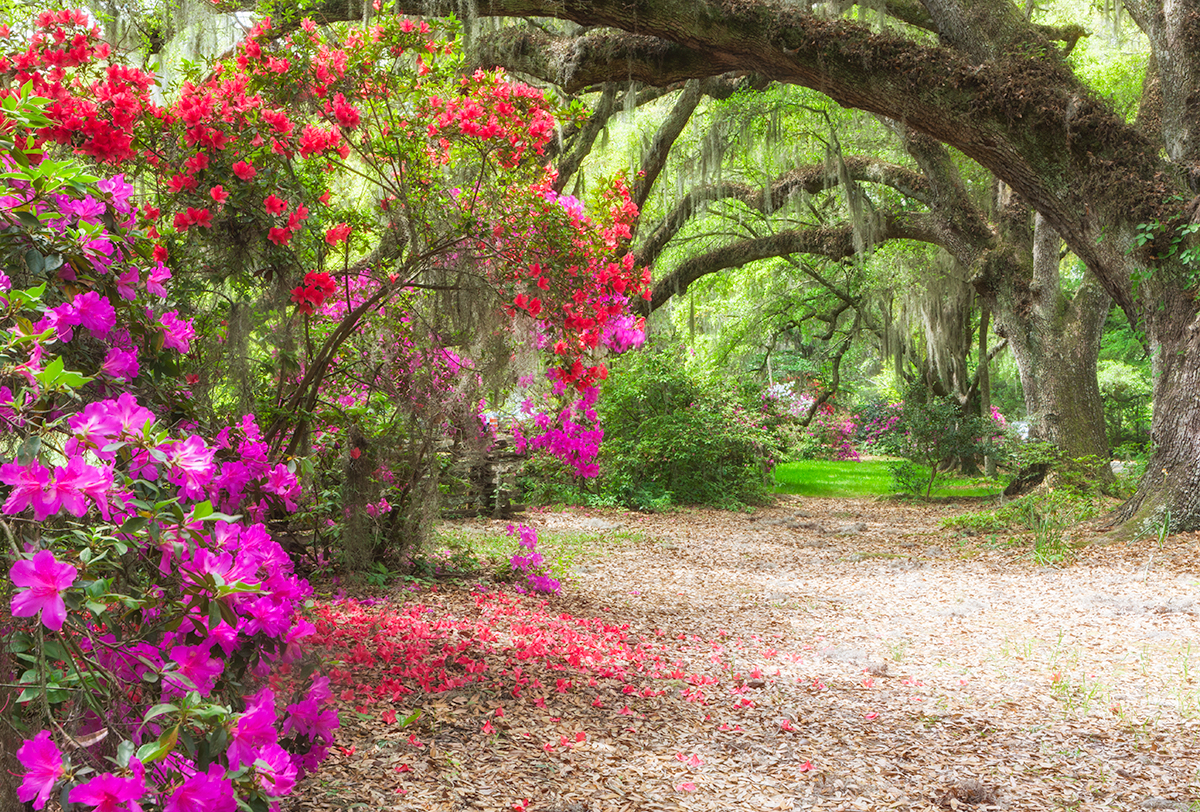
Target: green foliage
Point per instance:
(674, 436)
(910, 478)
(1127, 393)
(1032, 512)
(938, 433)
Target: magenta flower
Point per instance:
(131, 417)
(127, 284)
(154, 282)
(192, 466)
(30, 486)
(95, 312)
(43, 766)
(276, 771)
(197, 666)
(177, 333)
(78, 480)
(254, 730)
(203, 792)
(121, 364)
(110, 793)
(40, 583)
(283, 483)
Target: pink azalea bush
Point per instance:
(141, 608)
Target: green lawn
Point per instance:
(828, 478)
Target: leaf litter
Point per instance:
(818, 654)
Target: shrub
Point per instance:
(938, 434)
(159, 638)
(671, 437)
(881, 428)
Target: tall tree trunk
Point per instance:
(1169, 493)
(1056, 342)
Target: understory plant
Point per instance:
(673, 437)
(157, 637)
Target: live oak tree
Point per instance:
(978, 76)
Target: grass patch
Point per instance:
(871, 478)
(1031, 513)
(457, 552)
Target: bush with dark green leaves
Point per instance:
(673, 436)
(938, 433)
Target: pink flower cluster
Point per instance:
(156, 599)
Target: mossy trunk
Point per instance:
(1169, 493)
(1055, 339)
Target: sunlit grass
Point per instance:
(869, 478)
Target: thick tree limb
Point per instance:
(810, 179)
(833, 243)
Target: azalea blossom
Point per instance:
(177, 333)
(121, 364)
(197, 666)
(31, 486)
(95, 312)
(203, 792)
(110, 793)
(40, 582)
(244, 170)
(43, 765)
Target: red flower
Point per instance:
(300, 295)
(200, 217)
(298, 217)
(218, 194)
(337, 233)
(196, 162)
(279, 236)
(244, 170)
(275, 205)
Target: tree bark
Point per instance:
(1056, 342)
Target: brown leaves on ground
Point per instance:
(817, 654)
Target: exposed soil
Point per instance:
(818, 654)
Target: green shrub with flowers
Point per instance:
(156, 624)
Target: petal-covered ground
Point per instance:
(819, 654)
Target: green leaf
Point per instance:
(19, 642)
(28, 219)
(35, 262)
(28, 450)
(201, 510)
(159, 710)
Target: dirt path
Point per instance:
(819, 654)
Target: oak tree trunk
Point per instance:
(1055, 340)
